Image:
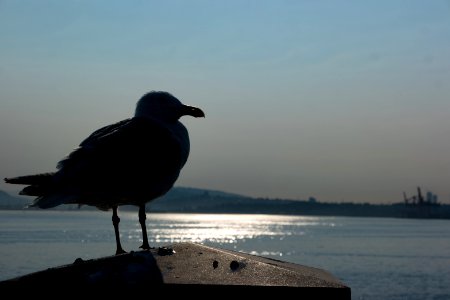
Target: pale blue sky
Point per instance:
(340, 100)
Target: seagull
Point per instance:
(130, 162)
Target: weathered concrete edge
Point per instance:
(311, 271)
(147, 270)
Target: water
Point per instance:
(379, 258)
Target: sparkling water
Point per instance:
(378, 258)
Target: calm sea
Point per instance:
(379, 258)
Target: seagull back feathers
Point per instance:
(135, 156)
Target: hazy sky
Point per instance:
(340, 100)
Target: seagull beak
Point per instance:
(196, 112)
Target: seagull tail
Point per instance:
(39, 185)
(37, 179)
(52, 200)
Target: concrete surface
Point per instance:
(184, 269)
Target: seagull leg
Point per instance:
(142, 218)
(116, 221)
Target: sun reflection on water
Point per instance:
(220, 228)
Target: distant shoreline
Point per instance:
(192, 200)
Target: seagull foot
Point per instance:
(120, 251)
(145, 247)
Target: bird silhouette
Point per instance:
(130, 162)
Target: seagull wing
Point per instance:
(132, 158)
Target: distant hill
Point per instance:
(12, 202)
(177, 199)
(186, 199)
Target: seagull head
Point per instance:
(164, 106)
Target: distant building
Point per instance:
(312, 200)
